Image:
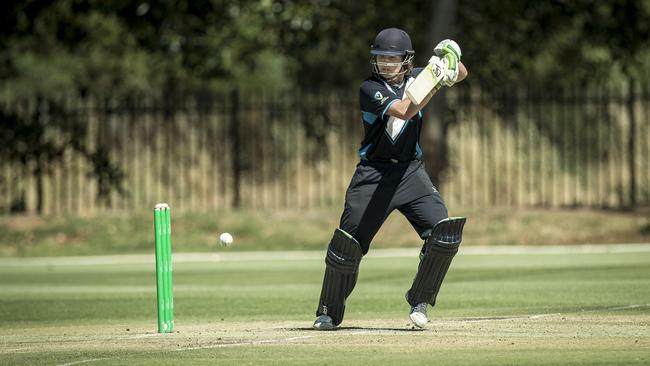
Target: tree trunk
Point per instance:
(235, 144)
(434, 141)
(631, 143)
(38, 173)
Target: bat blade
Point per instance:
(425, 84)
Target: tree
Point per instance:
(95, 49)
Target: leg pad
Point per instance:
(438, 251)
(342, 266)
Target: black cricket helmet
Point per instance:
(392, 42)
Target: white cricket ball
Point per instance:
(225, 239)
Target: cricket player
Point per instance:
(391, 175)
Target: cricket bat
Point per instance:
(427, 83)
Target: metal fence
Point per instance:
(257, 150)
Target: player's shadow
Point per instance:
(360, 329)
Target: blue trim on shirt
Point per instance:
(418, 150)
(363, 151)
(388, 106)
(368, 117)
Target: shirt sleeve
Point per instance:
(416, 71)
(375, 99)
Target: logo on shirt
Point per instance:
(382, 99)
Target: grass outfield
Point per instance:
(243, 308)
(254, 230)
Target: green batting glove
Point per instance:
(448, 65)
(451, 73)
(448, 46)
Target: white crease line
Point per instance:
(512, 317)
(145, 335)
(538, 316)
(267, 341)
(83, 361)
(365, 332)
(495, 318)
(249, 343)
(626, 307)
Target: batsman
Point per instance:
(390, 175)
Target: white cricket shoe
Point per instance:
(324, 322)
(418, 315)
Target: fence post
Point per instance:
(235, 144)
(41, 119)
(631, 143)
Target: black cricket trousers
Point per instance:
(376, 189)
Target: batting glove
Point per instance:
(449, 66)
(448, 46)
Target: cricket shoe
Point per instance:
(418, 315)
(324, 322)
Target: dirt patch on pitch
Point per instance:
(554, 331)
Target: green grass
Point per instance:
(119, 233)
(546, 309)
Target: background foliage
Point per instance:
(58, 49)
